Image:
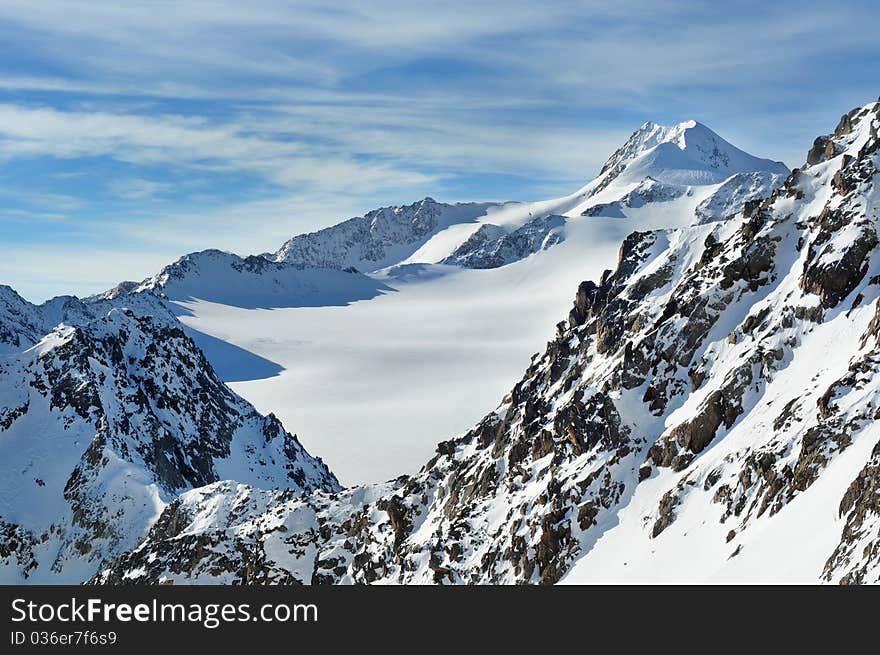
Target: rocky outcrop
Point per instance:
(857, 556)
(735, 194)
(106, 422)
(491, 246)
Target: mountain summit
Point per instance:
(657, 164)
(688, 152)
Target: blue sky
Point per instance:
(133, 132)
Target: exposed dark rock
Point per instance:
(835, 280)
(665, 512)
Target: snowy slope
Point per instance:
(249, 283)
(101, 425)
(707, 412)
(732, 195)
(255, 282)
(457, 318)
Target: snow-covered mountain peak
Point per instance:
(686, 153)
(22, 324)
(648, 136)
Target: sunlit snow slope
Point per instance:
(465, 294)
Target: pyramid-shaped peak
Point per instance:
(687, 145)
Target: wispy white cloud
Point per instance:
(138, 188)
(173, 140)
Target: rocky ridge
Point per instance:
(103, 424)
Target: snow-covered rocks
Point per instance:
(733, 194)
(381, 238)
(491, 246)
(22, 324)
(102, 424)
(707, 413)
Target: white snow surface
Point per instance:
(374, 384)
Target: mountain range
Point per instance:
(704, 412)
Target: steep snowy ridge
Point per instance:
(102, 424)
(381, 238)
(707, 412)
(687, 167)
(732, 195)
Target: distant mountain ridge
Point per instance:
(672, 159)
(380, 238)
(642, 169)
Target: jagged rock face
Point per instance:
(720, 373)
(378, 239)
(501, 505)
(23, 324)
(857, 556)
(491, 247)
(102, 424)
(733, 195)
